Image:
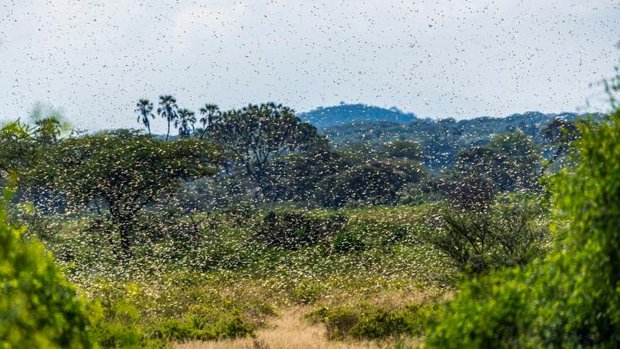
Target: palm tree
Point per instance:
(168, 109)
(208, 112)
(185, 122)
(144, 108)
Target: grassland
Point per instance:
(202, 279)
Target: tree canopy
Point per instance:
(124, 169)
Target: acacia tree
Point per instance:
(168, 110)
(144, 108)
(256, 134)
(124, 170)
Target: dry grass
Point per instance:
(292, 331)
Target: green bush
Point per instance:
(152, 315)
(346, 241)
(39, 308)
(374, 322)
(569, 299)
(207, 326)
(502, 236)
(307, 291)
(293, 230)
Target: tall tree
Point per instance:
(123, 170)
(208, 112)
(144, 108)
(185, 121)
(168, 110)
(560, 134)
(258, 133)
(519, 158)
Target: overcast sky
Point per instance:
(433, 58)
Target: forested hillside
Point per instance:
(441, 139)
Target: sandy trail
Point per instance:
(290, 331)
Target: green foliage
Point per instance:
(570, 298)
(346, 241)
(402, 149)
(508, 163)
(17, 147)
(307, 291)
(297, 177)
(135, 315)
(374, 322)
(256, 134)
(293, 230)
(502, 236)
(123, 170)
(144, 109)
(39, 308)
(519, 161)
(168, 110)
(371, 183)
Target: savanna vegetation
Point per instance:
(207, 235)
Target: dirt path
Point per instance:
(289, 331)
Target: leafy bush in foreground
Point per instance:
(39, 308)
(569, 299)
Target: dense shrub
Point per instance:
(137, 315)
(569, 299)
(504, 235)
(346, 241)
(374, 322)
(293, 230)
(39, 308)
(307, 291)
(370, 183)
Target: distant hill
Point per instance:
(441, 139)
(353, 113)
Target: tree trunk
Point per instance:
(125, 240)
(124, 222)
(168, 133)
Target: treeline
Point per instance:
(273, 156)
(259, 155)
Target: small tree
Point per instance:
(501, 236)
